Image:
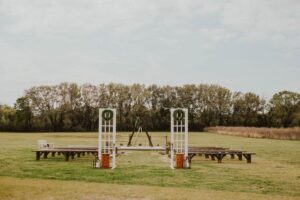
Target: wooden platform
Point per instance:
(72, 152)
(66, 152)
(142, 148)
(214, 153)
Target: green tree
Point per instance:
(72, 107)
(284, 107)
(7, 118)
(247, 109)
(23, 114)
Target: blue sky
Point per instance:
(245, 45)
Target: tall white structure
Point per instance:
(179, 138)
(107, 138)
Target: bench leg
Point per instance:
(232, 156)
(67, 155)
(190, 161)
(212, 157)
(220, 157)
(223, 156)
(38, 155)
(248, 157)
(46, 154)
(53, 154)
(206, 156)
(240, 156)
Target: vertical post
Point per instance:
(186, 139)
(179, 143)
(107, 138)
(172, 140)
(98, 164)
(114, 139)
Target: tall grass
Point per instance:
(273, 133)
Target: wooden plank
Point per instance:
(143, 148)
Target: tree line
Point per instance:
(73, 107)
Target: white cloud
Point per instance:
(50, 41)
(256, 19)
(248, 19)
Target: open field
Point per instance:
(274, 173)
(273, 133)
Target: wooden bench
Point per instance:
(220, 154)
(66, 152)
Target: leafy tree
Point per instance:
(23, 114)
(246, 109)
(7, 118)
(72, 107)
(284, 107)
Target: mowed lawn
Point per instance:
(273, 174)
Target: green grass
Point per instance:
(275, 170)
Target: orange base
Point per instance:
(105, 161)
(179, 160)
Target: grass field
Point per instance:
(274, 173)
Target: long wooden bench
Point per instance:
(66, 152)
(220, 154)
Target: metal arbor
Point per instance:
(107, 138)
(179, 137)
(138, 125)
